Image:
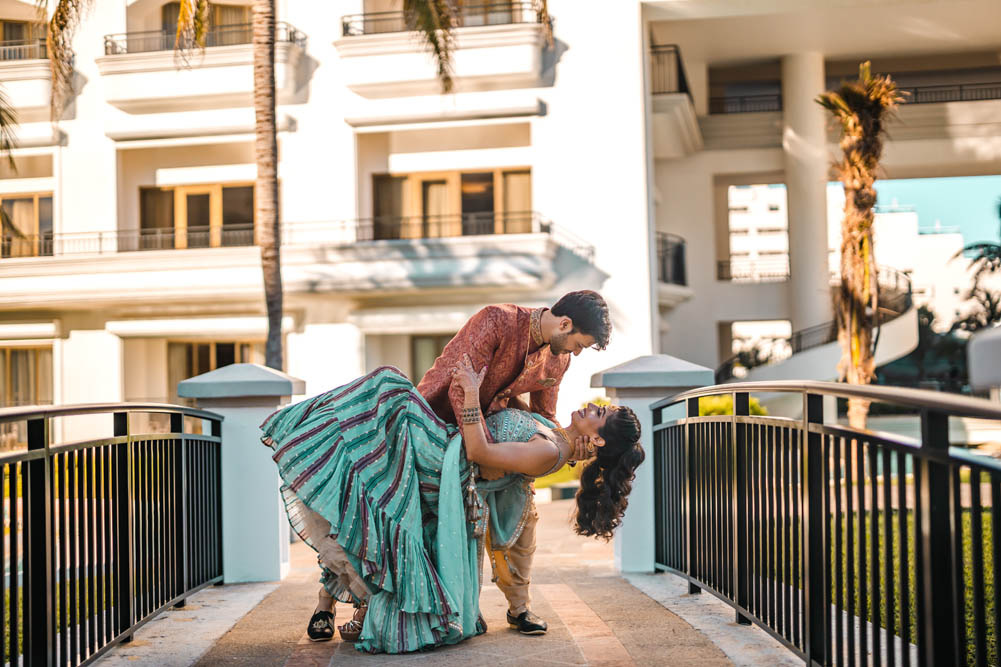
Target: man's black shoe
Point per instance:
(527, 623)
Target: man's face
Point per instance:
(570, 342)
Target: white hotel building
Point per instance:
(602, 162)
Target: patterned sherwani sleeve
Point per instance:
(480, 342)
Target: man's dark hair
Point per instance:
(589, 313)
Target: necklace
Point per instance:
(562, 432)
(535, 326)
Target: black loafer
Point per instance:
(527, 623)
(321, 627)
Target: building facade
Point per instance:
(603, 160)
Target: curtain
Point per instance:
(22, 377)
(19, 227)
(44, 379)
(435, 207)
(178, 367)
(517, 202)
(230, 25)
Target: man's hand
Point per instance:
(579, 451)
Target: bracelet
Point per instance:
(471, 415)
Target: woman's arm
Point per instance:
(533, 458)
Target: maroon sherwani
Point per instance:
(502, 339)
(497, 337)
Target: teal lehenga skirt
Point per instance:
(373, 480)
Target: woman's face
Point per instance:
(590, 418)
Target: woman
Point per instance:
(386, 493)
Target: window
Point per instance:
(25, 376)
(442, 204)
(26, 225)
(423, 351)
(21, 40)
(188, 359)
(196, 216)
(228, 24)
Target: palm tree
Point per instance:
(861, 107)
(986, 256)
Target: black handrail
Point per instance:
(467, 15)
(221, 35)
(340, 232)
(671, 259)
(894, 302)
(667, 70)
(812, 529)
(107, 533)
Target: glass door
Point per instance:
(195, 215)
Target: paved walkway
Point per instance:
(595, 617)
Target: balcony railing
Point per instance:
(23, 49)
(103, 535)
(467, 15)
(745, 104)
(223, 35)
(753, 270)
(671, 259)
(847, 545)
(895, 298)
(667, 70)
(344, 232)
(960, 92)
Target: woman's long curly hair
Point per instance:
(606, 481)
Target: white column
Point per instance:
(325, 356)
(636, 384)
(806, 173)
(255, 527)
(91, 371)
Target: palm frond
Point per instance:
(192, 27)
(8, 123)
(59, 42)
(433, 20)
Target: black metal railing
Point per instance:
(667, 70)
(334, 233)
(846, 545)
(671, 259)
(760, 269)
(222, 35)
(466, 15)
(745, 103)
(958, 92)
(102, 535)
(895, 298)
(23, 49)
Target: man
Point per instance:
(524, 351)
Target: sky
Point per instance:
(969, 203)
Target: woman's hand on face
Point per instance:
(467, 377)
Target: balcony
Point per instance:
(497, 46)
(24, 71)
(516, 250)
(675, 128)
(140, 72)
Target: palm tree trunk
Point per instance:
(266, 186)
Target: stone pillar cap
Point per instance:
(983, 355)
(654, 370)
(241, 380)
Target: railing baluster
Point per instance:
(958, 580)
(977, 539)
(36, 503)
(904, 573)
(691, 436)
(937, 608)
(817, 607)
(888, 595)
(863, 570)
(873, 531)
(839, 554)
(738, 477)
(124, 546)
(828, 556)
(996, 558)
